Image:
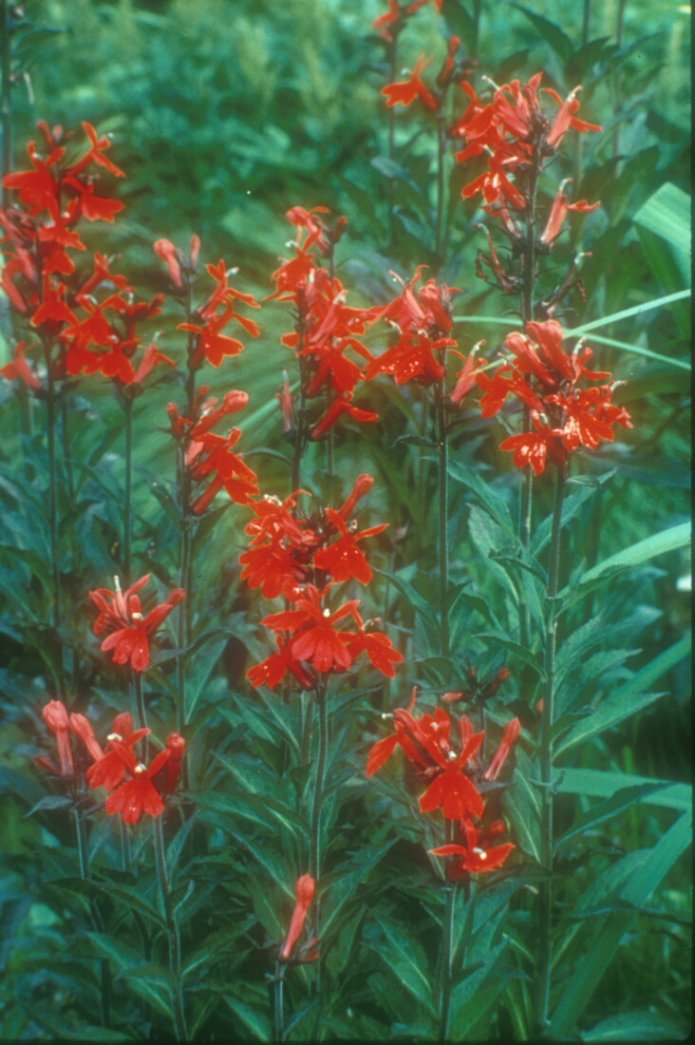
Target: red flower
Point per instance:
(109, 770)
(510, 130)
(55, 715)
(137, 794)
(305, 890)
(120, 613)
(314, 645)
(547, 379)
(509, 738)
(82, 728)
(20, 370)
(343, 559)
(405, 92)
(477, 855)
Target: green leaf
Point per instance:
(588, 971)
(626, 798)
(596, 783)
(155, 988)
(558, 40)
(406, 959)
(634, 1026)
(667, 213)
(486, 496)
(470, 1000)
(627, 313)
(252, 1017)
(628, 698)
(412, 595)
(669, 540)
(50, 802)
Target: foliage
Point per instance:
(225, 116)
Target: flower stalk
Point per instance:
(441, 436)
(128, 489)
(173, 937)
(546, 756)
(448, 936)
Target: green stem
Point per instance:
(477, 10)
(128, 491)
(447, 950)
(529, 275)
(6, 78)
(173, 937)
(439, 217)
(315, 861)
(392, 52)
(586, 22)
(279, 1002)
(441, 435)
(53, 493)
(300, 435)
(546, 758)
(140, 709)
(95, 914)
(67, 456)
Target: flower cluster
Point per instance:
(549, 381)
(445, 755)
(206, 323)
(432, 96)
(129, 631)
(390, 24)
(135, 788)
(514, 134)
(209, 457)
(422, 322)
(91, 316)
(327, 331)
(302, 559)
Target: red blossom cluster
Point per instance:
(445, 755)
(326, 328)
(414, 88)
(302, 559)
(135, 788)
(209, 457)
(514, 134)
(91, 316)
(548, 380)
(423, 323)
(206, 322)
(129, 630)
(394, 20)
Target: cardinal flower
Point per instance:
(56, 717)
(109, 770)
(137, 794)
(477, 854)
(305, 890)
(120, 614)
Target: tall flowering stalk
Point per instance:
(570, 408)
(446, 756)
(517, 138)
(53, 298)
(306, 558)
(207, 462)
(327, 337)
(422, 323)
